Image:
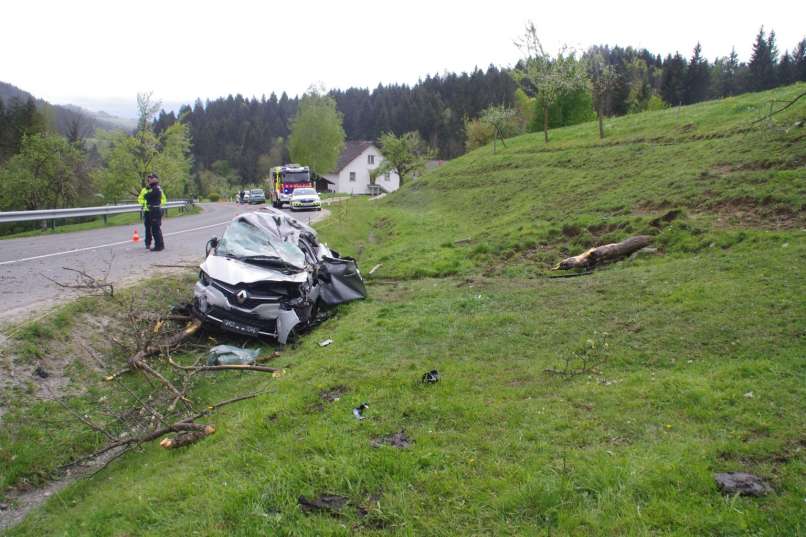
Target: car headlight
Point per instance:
(203, 278)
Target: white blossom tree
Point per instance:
(547, 77)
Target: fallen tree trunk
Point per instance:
(607, 252)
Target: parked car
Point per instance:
(269, 276)
(245, 197)
(256, 195)
(305, 198)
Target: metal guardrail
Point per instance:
(57, 214)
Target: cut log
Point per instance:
(607, 252)
(186, 438)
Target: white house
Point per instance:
(351, 175)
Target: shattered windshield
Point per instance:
(245, 241)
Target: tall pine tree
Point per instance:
(697, 77)
(727, 83)
(762, 62)
(799, 61)
(673, 81)
(786, 70)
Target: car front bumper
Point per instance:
(304, 205)
(274, 320)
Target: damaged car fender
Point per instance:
(341, 281)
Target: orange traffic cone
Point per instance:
(135, 237)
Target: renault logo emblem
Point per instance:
(241, 296)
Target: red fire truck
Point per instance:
(284, 179)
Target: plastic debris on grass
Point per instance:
(358, 411)
(432, 377)
(231, 355)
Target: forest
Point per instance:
(242, 137)
(231, 141)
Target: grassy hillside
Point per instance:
(698, 351)
(531, 202)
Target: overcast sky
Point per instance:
(90, 52)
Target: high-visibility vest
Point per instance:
(141, 199)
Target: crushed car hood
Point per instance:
(232, 271)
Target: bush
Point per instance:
(214, 196)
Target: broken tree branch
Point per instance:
(137, 361)
(211, 408)
(789, 103)
(185, 439)
(84, 282)
(240, 367)
(82, 418)
(607, 252)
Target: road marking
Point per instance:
(108, 245)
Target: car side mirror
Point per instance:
(212, 244)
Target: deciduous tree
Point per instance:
(47, 173)
(317, 136)
(547, 77)
(501, 119)
(404, 155)
(129, 159)
(603, 78)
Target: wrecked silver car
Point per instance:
(270, 276)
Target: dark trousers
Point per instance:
(147, 225)
(155, 215)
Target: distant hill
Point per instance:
(66, 115)
(104, 118)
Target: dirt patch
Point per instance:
(741, 483)
(328, 396)
(723, 169)
(735, 213)
(399, 440)
(331, 395)
(670, 216)
(331, 504)
(760, 214)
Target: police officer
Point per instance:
(141, 199)
(154, 199)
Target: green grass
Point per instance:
(112, 220)
(703, 370)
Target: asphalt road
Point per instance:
(27, 263)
